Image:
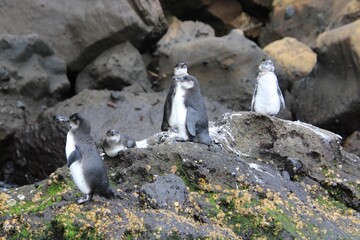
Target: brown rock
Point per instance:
(294, 58)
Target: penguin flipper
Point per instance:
(191, 120)
(73, 157)
(131, 143)
(281, 96)
(167, 109)
(253, 98)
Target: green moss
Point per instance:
(48, 198)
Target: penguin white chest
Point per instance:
(177, 119)
(78, 175)
(114, 150)
(76, 168)
(267, 100)
(70, 144)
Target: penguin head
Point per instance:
(180, 68)
(113, 135)
(76, 121)
(186, 82)
(267, 66)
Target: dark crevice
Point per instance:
(71, 75)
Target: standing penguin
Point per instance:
(83, 159)
(180, 70)
(267, 98)
(115, 141)
(185, 112)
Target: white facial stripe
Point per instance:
(180, 71)
(187, 84)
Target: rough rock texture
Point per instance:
(235, 190)
(81, 30)
(38, 148)
(166, 192)
(295, 59)
(114, 69)
(226, 67)
(217, 13)
(314, 151)
(32, 78)
(352, 143)
(330, 97)
(304, 20)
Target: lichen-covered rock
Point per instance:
(261, 179)
(308, 150)
(166, 192)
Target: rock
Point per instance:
(30, 73)
(352, 143)
(226, 67)
(114, 69)
(294, 58)
(329, 97)
(249, 25)
(239, 181)
(301, 20)
(217, 13)
(79, 31)
(167, 192)
(313, 152)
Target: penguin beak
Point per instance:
(175, 78)
(62, 118)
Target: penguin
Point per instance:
(86, 165)
(180, 69)
(115, 141)
(184, 111)
(267, 98)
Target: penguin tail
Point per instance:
(109, 193)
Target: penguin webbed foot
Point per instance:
(85, 199)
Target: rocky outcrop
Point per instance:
(114, 69)
(280, 184)
(79, 31)
(37, 149)
(330, 97)
(226, 67)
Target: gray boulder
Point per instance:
(32, 78)
(329, 98)
(114, 69)
(81, 30)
